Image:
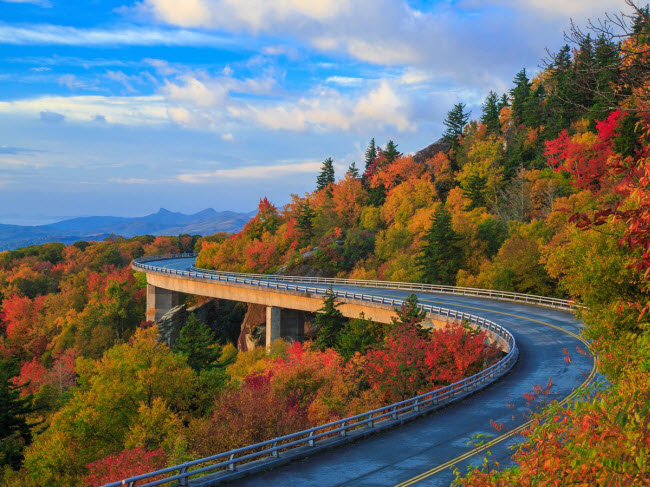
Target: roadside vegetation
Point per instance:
(546, 191)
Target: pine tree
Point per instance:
(390, 153)
(15, 432)
(474, 189)
(455, 122)
(490, 113)
(440, 257)
(520, 95)
(353, 170)
(503, 102)
(371, 154)
(359, 335)
(410, 314)
(196, 343)
(326, 176)
(305, 221)
(329, 322)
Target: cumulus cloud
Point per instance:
(201, 101)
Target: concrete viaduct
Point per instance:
(421, 451)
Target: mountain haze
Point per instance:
(163, 222)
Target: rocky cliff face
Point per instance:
(169, 326)
(441, 145)
(216, 315)
(253, 328)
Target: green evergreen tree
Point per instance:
(326, 176)
(474, 189)
(520, 95)
(390, 153)
(358, 336)
(455, 122)
(533, 109)
(329, 322)
(558, 102)
(490, 113)
(410, 314)
(440, 257)
(371, 154)
(196, 342)
(305, 221)
(353, 170)
(503, 102)
(15, 432)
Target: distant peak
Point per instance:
(163, 211)
(206, 212)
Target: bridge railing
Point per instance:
(403, 286)
(302, 443)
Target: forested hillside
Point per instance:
(545, 191)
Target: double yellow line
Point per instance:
(518, 429)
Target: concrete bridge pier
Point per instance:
(284, 323)
(159, 301)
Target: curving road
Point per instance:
(425, 451)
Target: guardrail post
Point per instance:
(343, 431)
(183, 481)
(393, 413)
(311, 439)
(275, 453)
(232, 467)
(416, 405)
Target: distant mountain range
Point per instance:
(164, 222)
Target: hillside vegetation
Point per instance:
(546, 191)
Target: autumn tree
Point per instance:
(440, 257)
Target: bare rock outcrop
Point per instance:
(253, 328)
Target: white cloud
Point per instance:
(345, 80)
(228, 137)
(384, 104)
(71, 36)
(250, 172)
(558, 8)
(255, 15)
(127, 110)
(71, 82)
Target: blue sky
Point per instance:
(119, 108)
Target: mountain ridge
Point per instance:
(162, 222)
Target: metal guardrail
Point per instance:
(403, 286)
(302, 443)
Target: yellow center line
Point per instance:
(518, 429)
